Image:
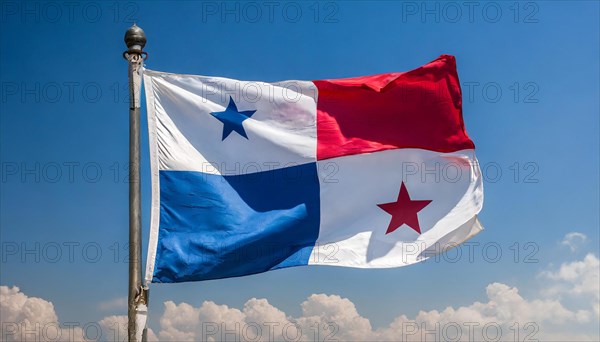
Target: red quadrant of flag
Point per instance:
(421, 108)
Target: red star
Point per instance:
(404, 211)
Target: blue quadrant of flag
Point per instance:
(214, 226)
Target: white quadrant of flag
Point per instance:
(353, 226)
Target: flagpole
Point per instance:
(135, 39)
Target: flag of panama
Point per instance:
(247, 177)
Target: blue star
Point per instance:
(232, 119)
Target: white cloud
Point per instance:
(335, 317)
(114, 328)
(24, 318)
(576, 279)
(504, 315)
(258, 320)
(574, 240)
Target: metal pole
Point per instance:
(135, 39)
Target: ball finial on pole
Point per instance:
(135, 39)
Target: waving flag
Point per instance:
(247, 177)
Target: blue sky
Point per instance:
(530, 78)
